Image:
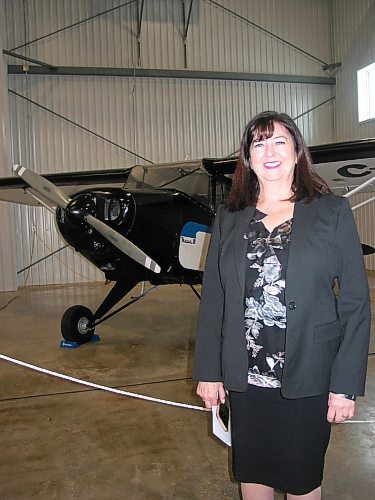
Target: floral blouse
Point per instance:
(265, 311)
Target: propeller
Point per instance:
(122, 243)
(43, 186)
(59, 198)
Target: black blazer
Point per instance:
(327, 337)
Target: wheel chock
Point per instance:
(71, 344)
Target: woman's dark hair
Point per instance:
(307, 184)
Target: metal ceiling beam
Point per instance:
(28, 59)
(171, 73)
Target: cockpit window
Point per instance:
(188, 177)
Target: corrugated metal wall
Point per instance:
(354, 46)
(216, 39)
(159, 119)
(7, 239)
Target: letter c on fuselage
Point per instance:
(344, 171)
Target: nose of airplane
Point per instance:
(114, 208)
(80, 206)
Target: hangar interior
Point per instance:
(91, 85)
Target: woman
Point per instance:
(272, 333)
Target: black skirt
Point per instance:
(279, 442)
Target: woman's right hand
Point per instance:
(211, 393)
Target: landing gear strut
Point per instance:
(78, 322)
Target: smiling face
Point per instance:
(274, 159)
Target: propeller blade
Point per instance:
(123, 244)
(43, 186)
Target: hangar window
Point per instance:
(366, 93)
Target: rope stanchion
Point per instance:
(100, 387)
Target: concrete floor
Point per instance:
(60, 440)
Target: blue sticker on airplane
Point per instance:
(194, 241)
(191, 229)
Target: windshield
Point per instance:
(188, 177)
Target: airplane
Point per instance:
(152, 223)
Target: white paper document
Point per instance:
(218, 429)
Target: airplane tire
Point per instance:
(74, 324)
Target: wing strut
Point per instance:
(360, 187)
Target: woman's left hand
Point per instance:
(340, 409)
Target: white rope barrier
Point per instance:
(359, 422)
(125, 393)
(98, 386)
